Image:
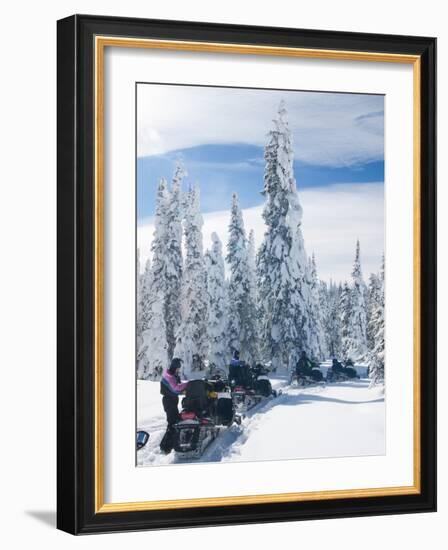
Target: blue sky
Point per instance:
(219, 134)
(223, 169)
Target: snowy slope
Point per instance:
(345, 419)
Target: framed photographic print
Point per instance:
(246, 274)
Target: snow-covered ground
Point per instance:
(344, 419)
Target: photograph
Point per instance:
(260, 274)
(246, 264)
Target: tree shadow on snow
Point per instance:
(363, 383)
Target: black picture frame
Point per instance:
(76, 511)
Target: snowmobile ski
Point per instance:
(142, 439)
(304, 381)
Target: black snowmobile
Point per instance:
(251, 386)
(340, 373)
(262, 384)
(206, 407)
(350, 370)
(307, 374)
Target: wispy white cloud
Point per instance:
(331, 129)
(334, 217)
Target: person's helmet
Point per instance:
(176, 363)
(334, 360)
(236, 354)
(303, 354)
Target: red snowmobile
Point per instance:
(206, 408)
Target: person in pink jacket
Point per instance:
(170, 388)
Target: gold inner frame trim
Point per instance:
(101, 42)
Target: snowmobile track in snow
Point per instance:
(222, 446)
(227, 447)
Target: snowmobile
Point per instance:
(217, 373)
(341, 373)
(336, 376)
(307, 377)
(206, 408)
(302, 380)
(262, 384)
(254, 387)
(350, 371)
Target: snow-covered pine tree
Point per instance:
(358, 321)
(191, 340)
(218, 354)
(236, 254)
(239, 287)
(252, 327)
(281, 260)
(373, 297)
(345, 312)
(333, 325)
(376, 356)
(324, 304)
(138, 283)
(174, 261)
(317, 345)
(152, 357)
(144, 293)
(138, 273)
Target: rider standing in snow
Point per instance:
(170, 388)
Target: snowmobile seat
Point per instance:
(263, 386)
(350, 372)
(224, 409)
(196, 399)
(218, 385)
(240, 375)
(316, 375)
